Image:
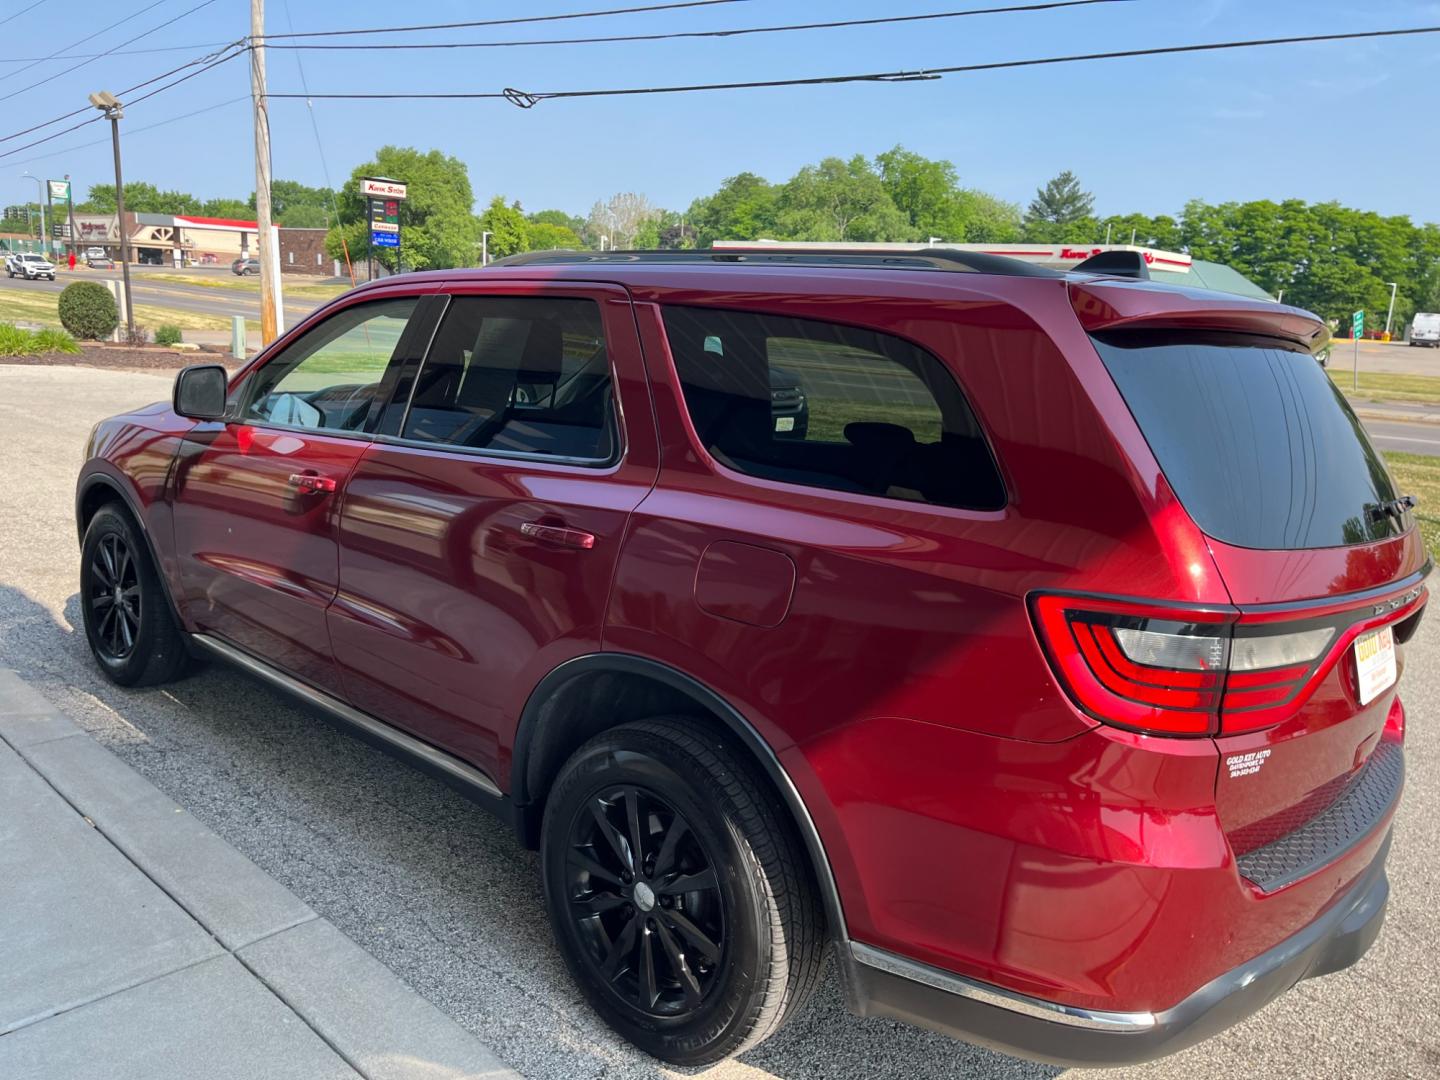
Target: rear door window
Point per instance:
(830, 406)
(1259, 445)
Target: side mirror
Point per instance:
(200, 392)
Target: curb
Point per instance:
(381, 1028)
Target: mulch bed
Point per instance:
(148, 358)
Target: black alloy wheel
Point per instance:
(114, 597)
(645, 899)
(680, 893)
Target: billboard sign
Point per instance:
(380, 188)
(59, 190)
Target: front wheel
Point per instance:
(679, 893)
(128, 622)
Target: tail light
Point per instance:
(1165, 670)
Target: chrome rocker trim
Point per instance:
(429, 756)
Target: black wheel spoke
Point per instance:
(102, 600)
(689, 984)
(621, 950)
(691, 933)
(599, 811)
(632, 820)
(107, 555)
(580, 859)
(665, 861)
(697, 882)
(600, 903)
(649, 992)
(127, 633)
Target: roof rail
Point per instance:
(919, 258)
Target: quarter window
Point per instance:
(328, 379)
(523, 375)
(830, 406)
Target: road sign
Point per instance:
(380, 188)
(1357, 325)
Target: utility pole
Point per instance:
(265, 240)
(114, 111)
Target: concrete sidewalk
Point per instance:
(135, 944)
(1400, 412)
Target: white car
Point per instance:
(1425, 330)
(31, 267)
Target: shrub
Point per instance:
(168, 335)
(137, 335)
(88, 310)
(16, 342)
(55, 341)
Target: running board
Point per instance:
(429, 757)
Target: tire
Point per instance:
(131, 629)
(732, 958)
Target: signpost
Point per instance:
(382, 200)
(59, 191)
(1357, 331)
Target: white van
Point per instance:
(1425, 330)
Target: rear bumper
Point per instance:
(879, 983)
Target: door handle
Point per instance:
(558, 534)
(312, 483)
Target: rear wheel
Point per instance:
(678, 891)
(128, 622)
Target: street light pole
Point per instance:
(1391, 313)
(114, 111)
(485, 248)
(40, 199)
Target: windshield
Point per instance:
(1259, 445)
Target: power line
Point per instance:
(32, 7)
(508, 22)
(134, 101)
(130, 132)
(122, 93)
(87, 37)
(97, 56)
(117, 48)
(738, 32)
(525, 99)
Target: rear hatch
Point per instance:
(1316, 546)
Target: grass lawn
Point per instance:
(37, 307)
(1418, 475)
(250, 285)
(1388, 387)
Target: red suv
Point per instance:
(1046, 669)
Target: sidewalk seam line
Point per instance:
(195, 918)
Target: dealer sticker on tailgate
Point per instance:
(1374, 663)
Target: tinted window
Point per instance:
(830, 406)
(328, 379)
(1259, 445)
(524, 375)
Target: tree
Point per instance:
(547, 236)
(507, 227)
(840, 200)
(1062, 212)
(236, 209)
(743, 209)
(620, 217)
(558, 217)
(438, 228)
(928, 192)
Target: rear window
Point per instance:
(830, 406)
(1260, 447)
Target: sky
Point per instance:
(1353, 121)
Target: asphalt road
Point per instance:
(200, 299)
(441, 893)
(1411, 438)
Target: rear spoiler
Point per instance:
(1125, 305)
(1129, 264)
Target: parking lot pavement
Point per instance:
(442, 894)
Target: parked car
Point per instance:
(1425, 329)
(95, 253)
(1042, 675)
(29, 266)
(242, 266)
(99, 262)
